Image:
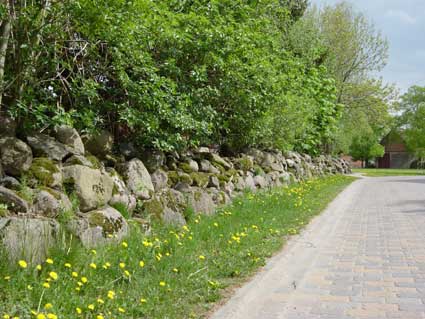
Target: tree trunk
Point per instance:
(5, 29)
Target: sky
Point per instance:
(402, 22)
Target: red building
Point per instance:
(396, 153)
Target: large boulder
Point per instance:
(45, 172)
(207, 167)
(51, 203)
(46, 146)
(28, 238)
(92, 187)
(189, 166)
(200, 179)
(218, 160)
(244, 163)
(99, 144)
(99, 227)
(15, 156)
(13, 201)
(137, 178)
(153, 160)
(200, 200)
(89, 161)
(120, 193)
(159, 179)
(69, 136)
(167, 206)
(260, 181)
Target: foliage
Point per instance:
(365, 147)
(412, 119)
(169, 74)
(173, 273)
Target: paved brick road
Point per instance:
(362, 258)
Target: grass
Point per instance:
(378, 172)
(173, 273)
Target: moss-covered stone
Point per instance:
(185, 178)
(173, 178)
(51, 191)
(223, 178)
(200, 179)
(258, 170)
(45, 171)
(109, 225)
(244, 163)
(154, 207)
(94, 161)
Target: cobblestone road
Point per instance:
(364, 257)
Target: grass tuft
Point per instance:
(378, 172)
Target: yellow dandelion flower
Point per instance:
(91, 307)
(126, 272)
(122, 310)
(111, 294)
(48, 306)
(215, 224)
(41, 316)
(6, 316)
(202, 257)
(6, 278)
(53, 275)
(100, 301)
(52, 316)
(38, 267)
(46, 285)
(162, 283)
(99, 317)
(141, 263)
(175, 270)
(84, 280)
(93, 265)
(78, 310)
(74, 274)
(80, 283)
(49, 261)
(23, 264)
(29, 287)
(67, 265)
(77, 288)
(143, 300)
(122, 265)
(124, 244)
(94, 252)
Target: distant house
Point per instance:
(396, 153)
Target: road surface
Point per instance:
(364, 257)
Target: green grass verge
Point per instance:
(173, 273)
(377, 172)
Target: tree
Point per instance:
(364, 147)
(412, 119)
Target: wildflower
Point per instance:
(100, 301)
(46, 285)
(53, 275)
(29, 287)
(67, 265)
(215, 224)
(6, 278)
(6, 316)
(84, 280)
(74, 274)
(41, 316)
(99, 317)
(124, 244)
(48, 306)
(93, 265)
(185, 228)
(23, 264)
(127, 273)
(49, 261)
(78, 310)
(111, 294)
(94, 252)
(202, 257)
(122, 310)
(143, 300)
(141, 263)
(91, 307)
(122, 265)
(162, 283)
(38, 267)
(52, 316)
(175, 270)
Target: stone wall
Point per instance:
(86, 184)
